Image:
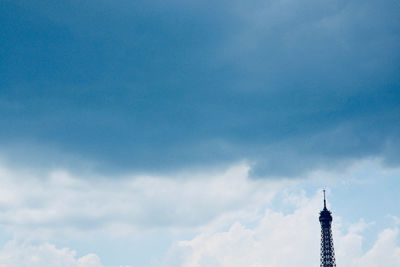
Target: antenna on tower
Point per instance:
(324, 200)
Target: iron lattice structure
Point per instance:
(327, 251)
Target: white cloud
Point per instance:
(385, 252)
(58, 202)
(20, 254)
(15, 254)
(276, 240)
(90, 260)
(58, 207)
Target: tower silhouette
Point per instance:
(327, 251)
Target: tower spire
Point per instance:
(324, 200)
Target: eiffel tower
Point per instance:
(327, 251)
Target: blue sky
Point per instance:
(144, 101)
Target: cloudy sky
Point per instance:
(198, 133)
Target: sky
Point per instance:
(198, 133)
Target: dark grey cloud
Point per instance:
(154, 86)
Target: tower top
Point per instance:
(325, 215)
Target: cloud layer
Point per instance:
(150, 86)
